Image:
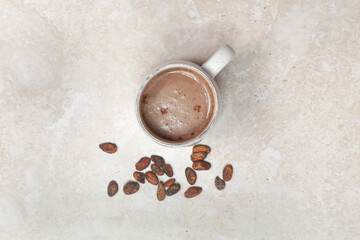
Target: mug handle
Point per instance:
(219, 60)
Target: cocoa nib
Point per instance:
(163, 111)
(145, 98)
(197, 108)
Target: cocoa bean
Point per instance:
(198, 156)
(131, 187)
(219, 183)
(201, 148)
(139, 176)
(108, 147)
(169, 182)
(158, 171)
(173, 189)
(168, 170)
(158, 160)
(142, 164)
(201, 165)
(190, 175)
(192, 192)
(151, 178)
(112, 188)
(227, 173)
(161, 192)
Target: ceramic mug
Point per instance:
(208, 71)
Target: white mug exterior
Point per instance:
(208, 70)
(218, 60)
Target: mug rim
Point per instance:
(215, 90)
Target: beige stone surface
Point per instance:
(69, 75)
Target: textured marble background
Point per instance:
(69, 75)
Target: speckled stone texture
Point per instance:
(290, 126)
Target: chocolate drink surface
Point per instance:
(177, 105)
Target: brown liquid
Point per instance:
(177, 105)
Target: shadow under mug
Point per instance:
(208, 71)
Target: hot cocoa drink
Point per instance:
(177, 105)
